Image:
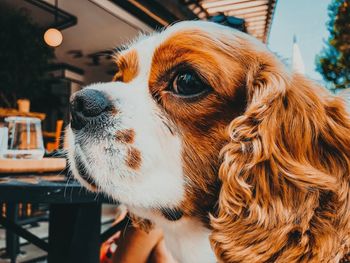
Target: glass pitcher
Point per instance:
(25, 140)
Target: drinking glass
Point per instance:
(25, 139)
(3, 140)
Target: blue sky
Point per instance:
(307, 20)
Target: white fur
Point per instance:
(188, 241)
(159, 181)
(187, 238)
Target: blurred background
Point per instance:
(51, 48)
(80, 36)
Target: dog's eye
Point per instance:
(188, 84)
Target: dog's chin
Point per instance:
(82, 174)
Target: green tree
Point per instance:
(334, 60)
(24, 58)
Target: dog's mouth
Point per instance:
(83, 172)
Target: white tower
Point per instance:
(297, 60)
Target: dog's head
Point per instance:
(151, 138)
(201, 118)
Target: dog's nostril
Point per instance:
(79, 104)
(87, 104)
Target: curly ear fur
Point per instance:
(285, 174)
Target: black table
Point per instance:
(74, 218)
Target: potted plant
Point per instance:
(24, 57)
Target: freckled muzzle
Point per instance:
(98, 130)
(90, 110)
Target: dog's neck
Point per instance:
(186, 238)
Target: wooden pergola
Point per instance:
(257, 14)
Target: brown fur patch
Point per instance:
(114, 111)
(128, 67)
(125, 136)
(133, 158)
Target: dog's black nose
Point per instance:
(86, 105)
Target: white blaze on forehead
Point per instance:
(145, 47)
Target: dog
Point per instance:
(204, 133)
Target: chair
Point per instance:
(51, 146)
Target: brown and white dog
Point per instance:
(206, 134)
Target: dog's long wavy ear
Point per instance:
(282, 172)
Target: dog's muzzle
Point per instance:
(91, 109)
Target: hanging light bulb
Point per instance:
(53, 37)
